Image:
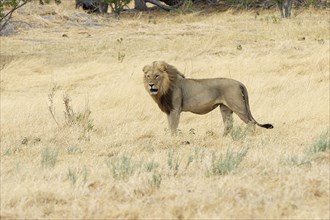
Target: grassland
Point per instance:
(106, 153)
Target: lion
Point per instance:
(175, 94)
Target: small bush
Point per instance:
(81, 119)
(225, 164)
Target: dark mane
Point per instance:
(165, 102)
(173, 75)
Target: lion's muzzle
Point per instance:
(153, 90)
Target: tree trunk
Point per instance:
(285, 7)
(140, 5)
(171, 2)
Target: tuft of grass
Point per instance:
(190, 160)
(122, 167)
(237, 133)
(199, 154)
(321, 144)
(74, 150)
(75, 174)
(49, 157)
(155, 180)
(225, 164)
(149, 166)
(173, 162)
(299, 161)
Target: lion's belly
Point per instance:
(199, 107)
(199, 97)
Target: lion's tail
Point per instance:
(268, 126)
(246, 100)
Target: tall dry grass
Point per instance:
(126, 165)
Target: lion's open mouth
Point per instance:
(153, 91)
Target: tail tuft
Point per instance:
(268, 126)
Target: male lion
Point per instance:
(175, 94)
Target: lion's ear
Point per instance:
(146, 68)
(162, 66)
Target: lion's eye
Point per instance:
(148, 76)
(156, 76)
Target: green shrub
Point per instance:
(225, 164)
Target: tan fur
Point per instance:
(174, 94)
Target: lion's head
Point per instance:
(159, 80)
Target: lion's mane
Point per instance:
(168, 84)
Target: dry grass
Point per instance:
(116, 161)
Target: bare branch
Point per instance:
(4, 20)
(51, 106)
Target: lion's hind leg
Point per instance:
(243, 114)
(227, 117)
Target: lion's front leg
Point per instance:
(173, 121)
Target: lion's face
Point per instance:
(155, 79)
